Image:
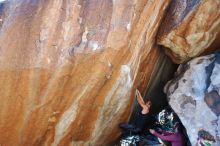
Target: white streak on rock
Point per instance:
(113, 1)
(80, 20)
(67, 118)
(128, 26)
(94, 45)
(48, 60)
(109, 64)
(121, 92)
(84, 36)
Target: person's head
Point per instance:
(148, 103)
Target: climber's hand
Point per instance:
(140, 98)
(152, 131)
(145, 106)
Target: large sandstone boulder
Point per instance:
(189, 28)
(194, 94)
(68, 68)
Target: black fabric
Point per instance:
(144, 121)
(141, 120)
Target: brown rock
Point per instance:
(212, 99)
(68, 68)
(189, 28)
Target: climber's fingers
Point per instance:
(140, 98)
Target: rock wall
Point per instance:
(68, 68)
(194, 94)
(189, 28)
(152, 86)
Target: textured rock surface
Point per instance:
(189, 28)
(194, 94)
(68, 68)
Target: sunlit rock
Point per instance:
(68, 68)
(194, 94)
(189, 28)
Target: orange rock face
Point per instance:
(68, 68)
(189, 28)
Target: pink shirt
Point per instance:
(176, 139)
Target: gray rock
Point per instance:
(194, 96)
